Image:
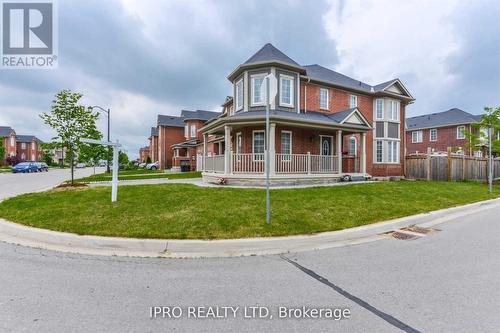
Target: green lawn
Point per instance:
(139, 174)
(5, 170)
(187, 211)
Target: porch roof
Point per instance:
(337, 120)
(187, 144)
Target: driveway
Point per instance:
(17, 183)
(448, 281)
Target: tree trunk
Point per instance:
(72, 169)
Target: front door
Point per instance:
(326, 152)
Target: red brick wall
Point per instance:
(166, 138)
(28, 151)
(9, 150)
(446, 137)
(153, 148)
(143, 154)
(199, 124)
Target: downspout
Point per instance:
(305, 94)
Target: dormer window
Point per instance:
(323, 98)
(239, 95)
(286, 90)
(353, 101)
(257, 86)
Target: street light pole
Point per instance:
(490, 161)
(268, 198)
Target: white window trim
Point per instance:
(237, 99)
(421, 136)
(12, 141)
(397, 107)
(355, 146)
(385, 151)
(356, 99)
(458, 132)
(430, 134)
(253, 144)
(281, 142)
(389, 151)
(383, 104)
(23, 145)
(327, 98)
(33, 145)
(193, 131)
(186, 131)
(292, 88)
(252, 90)
(331, 145)
(375, 152)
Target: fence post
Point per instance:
(428, 163)
(448, 150)
(463, 167)
(308, 162)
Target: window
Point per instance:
(416, 137)
(259, 141)
(352, 146)
(379, 108)
(433, 135)
(353, 101)
(239, 95)
(460, 132)
(23, 145)
(393, 152)
(286, 144)
(193, 131)
(286, 90)
(379, 151)
(12, 141)
(393, 130)
(257, 93)
(394, 110)
(186, 131)
(379, 129)
(23, 157)
(33, 145)
(323, 98)
(238, 146)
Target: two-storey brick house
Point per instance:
(144, 154)
(8, 137)
(29, 147)
(153, 144)
(440, 131)
(323, 125)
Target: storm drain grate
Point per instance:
(419, 230)
(411, 232)
(401, 235)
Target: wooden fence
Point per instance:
(449, 167)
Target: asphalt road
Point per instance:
(448, 281)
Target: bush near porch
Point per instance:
(188, 212)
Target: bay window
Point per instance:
(393, 110)
(379, 108)
(257, 95)
(258, 145)
(286, 145)
(239, 95)
(286, 90)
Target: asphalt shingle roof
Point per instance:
(324, 74)
(199, 114)
(451, 117)
(27, 138)
(166, 120)
(5, 130)
(270, 53)
(154, 131)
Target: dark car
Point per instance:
(25, 167)
(42, 166)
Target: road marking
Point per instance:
(385, 316)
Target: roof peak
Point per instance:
(269, 53)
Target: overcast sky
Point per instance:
(143, 58)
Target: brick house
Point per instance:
(8, 137)
(439, 131)
(323, 125)
(144, 154)
(29, 147)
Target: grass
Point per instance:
(139, 174)
(187, 212)
(4, 170)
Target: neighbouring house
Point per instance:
(324, 125)
(29, 147)
(153, 144)
(8, 136)
(440, 131)
(144, 154)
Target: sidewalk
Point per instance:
(110, 246)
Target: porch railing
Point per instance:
(248, 163)
(324, 164)
(215, 163)
(292, 163)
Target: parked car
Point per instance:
(80, 165)
(25, 167)
(153, 166)
(103, 163)
(142, 165)
(42, 166)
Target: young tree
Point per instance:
(2, 151)
(71, 121)
(122, 158)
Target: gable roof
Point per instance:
(450, 117)
(166, 120)
(6, 131)
(199, 115)
(27, 138)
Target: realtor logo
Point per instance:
(28, 35)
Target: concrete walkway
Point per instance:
(68, 242)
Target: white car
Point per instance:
(142, 165)
(80, 165)
(153, 166)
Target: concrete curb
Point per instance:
(174, 248)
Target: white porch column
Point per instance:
(363, 153)
(227, 150)
(339, 151)
(272, 148)
(205, 152)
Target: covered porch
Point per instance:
(299, 153)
